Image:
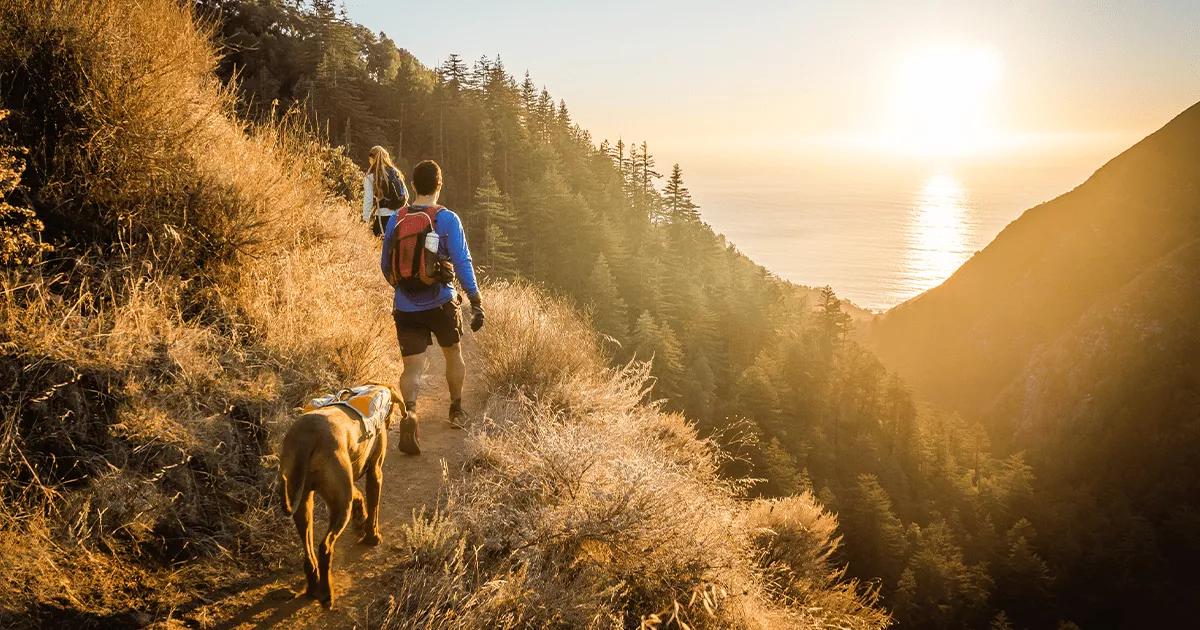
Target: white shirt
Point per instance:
(369, 199)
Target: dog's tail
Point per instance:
(293, 473)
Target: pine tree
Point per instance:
(544, 116)
(1001, 622)
(758, 396)
(644, 166)
(528, 98)
(677, 201)
(494, 219)
(875, 536)
(779, 470)
(645, 336)
(383, 59)
(639, 184)
(658, 344)
(609, 314)
(619, 160)
(1024, 577)
(481, 74)
(502, 259)
(940, 575)
(453, 73)
(699, 388)
(562, 117)
(550, 213)
(904, 601)
(833, 323)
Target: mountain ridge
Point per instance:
(1080, 233)
(1072, 338)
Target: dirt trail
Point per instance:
(410, 483)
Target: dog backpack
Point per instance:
(411, 265)
(371, 403)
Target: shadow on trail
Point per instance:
(283, 602)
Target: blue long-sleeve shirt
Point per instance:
(453, 243)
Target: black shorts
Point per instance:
(415, 330)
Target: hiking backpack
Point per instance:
(390, 191)
(411, 266)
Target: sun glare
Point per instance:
(937, 239)
(943, 101)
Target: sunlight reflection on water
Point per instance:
(877, 237)
(937, 232)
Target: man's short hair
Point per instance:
(427, 177)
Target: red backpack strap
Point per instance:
(429, 211)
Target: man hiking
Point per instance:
(424, 248)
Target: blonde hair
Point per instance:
(379, 159)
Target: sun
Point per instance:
(943, 100)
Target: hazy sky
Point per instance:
(701, 80)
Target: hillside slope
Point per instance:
(1073, 338)
(964, 341)
(152, 358)
(1109, 414)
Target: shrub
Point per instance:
(193, 298)
(583, 506)
(797, 540)
(20, 230)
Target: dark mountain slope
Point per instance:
(962, 342)
(1110, 417)
(1074, 338)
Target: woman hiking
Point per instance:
(383, 190)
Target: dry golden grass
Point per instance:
(204, 283)
(582, 506)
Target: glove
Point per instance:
(476, 314)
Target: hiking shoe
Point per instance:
(457, 417)
(410, 433)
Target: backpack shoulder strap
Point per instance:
(429, 211)
(434, 211)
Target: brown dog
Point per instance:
(324, 452)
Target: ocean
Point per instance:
(879, 234)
